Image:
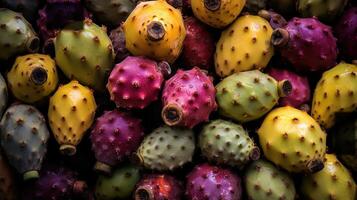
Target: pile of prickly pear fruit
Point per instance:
(178, 99)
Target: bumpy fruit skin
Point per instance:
(115, 136)
(300, 93)
(211, 182)
(217, 14)
(155, 29)
(166, 148)
(332, 182)
(32, 77)
(8, 183)
(158, 187)
(84, 52)
(16, 35)
(188, 98)
(335, 92)
(117, 37)
(264, 181)
(71, 112)
(247, 96)
(119, 185)
(325, 10)
(345, 31)
(3, 95)
(135, 82)
(227, 143)
(244, 46)
(23, 138)
(198, 47)
(307, 44)
(253, 6)
(28, 8)
(293, 140)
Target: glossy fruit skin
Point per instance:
(325, 11)
(8, 184)
(135, 82)
(147, 35)
(32, 77)
(219, 14)
(23, 138)
(211, 182)
(243, 46)
(28, 8)
(117, 37)
(293, 140)
(71, 113)
(332, 182)
(335, 92)
(3, 95)
(264, 181)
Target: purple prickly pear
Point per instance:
(136, 82)
(117, 36)
(188, 98)
(115, 136)
(213, 183)
(307, 44)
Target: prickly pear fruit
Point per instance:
(32, 77)
(157, 187)
(7, 186)
(335, 92)
(275, 19)
(119, 185)
(71, 112)
(283, 6)
(115, 136)
(243, 46)
(217, 13)
(117, 37)
(3, 95)
(84, 52)
(307, 44)
(325, 10)
(300, 93)
(24, 137)
(210, 182)
(332, 182)
(198, 47)
(135, 82)
(293, 140)
(345, 31)
(227, 143)
(155, 29)
(253, 6)
(16, 35)
(28, 8)
(247, 96)
(188, 98)
(264, 181)
(166, 148)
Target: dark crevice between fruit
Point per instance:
(212, 5)
(284, 88)
(143, 193)
(255, 154)
(315, 166)
(33, 44)
(164, 68)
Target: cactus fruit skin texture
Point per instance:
(300, 92)
(217, 14)
(32, 77)
(155, 29)
(188, 98)
(324, 10)
(24, 137)
(115, 136)
(29, 8)
(71, 113)
(111, 12)
(198, 47)
(84, 52)
(158, 187)
(335, 92)
(211, 182)
(16, 35)
(3, 95)
(117, 37)
(264, 181)
(135, 83)
(8, 184)
(293, 140)
(119, 185)
(334, 181)
(307, 44)
(345, 30)
(166, 148)
(227, 143)
(257, 92)
(243, 46)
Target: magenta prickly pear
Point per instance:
(188, 98)
(211, 182)
(115, 136)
